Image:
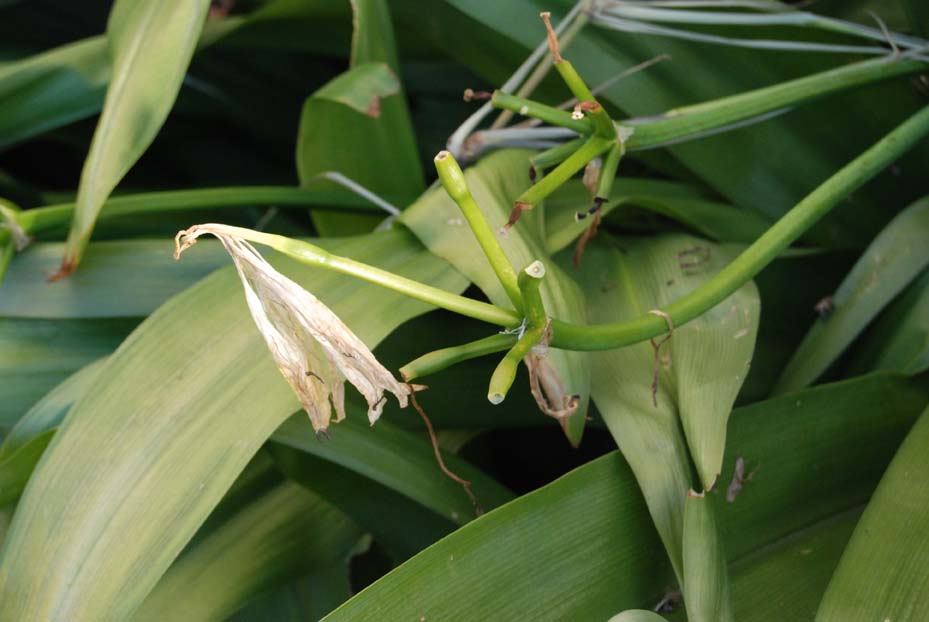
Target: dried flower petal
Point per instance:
(315, 351)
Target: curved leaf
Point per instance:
(155, 443)
(151, 44)
(895, 257)
(285, 532)
(882, 572)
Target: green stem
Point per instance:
(53, 216)
(683, 122)
(453, 181)
(564, 171)
(574, 81)
(438, 360)
(548, 114)
(530, 281)
(312, 255)
(555, 155)
(764, 250)
(608, 172)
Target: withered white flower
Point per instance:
(315, 351)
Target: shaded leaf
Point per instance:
(285, 533)
(882, 571)
(895, 257)
(705, 576)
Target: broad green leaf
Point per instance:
(645, 426)
(285, 533)
(882, 574)
(609, 559)
(331, 137)
(786, 580)
(35, 355)
(398, 460)
(899, 339)
(150, 44)
(146, 455)
(918, 15)
(126, 278)
(681, 203)
(896, 256)
(51, 89)
(495, 182)
(700, 368)
(707, 584)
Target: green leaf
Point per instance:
(151, 44)
(700, 369)
(125, 278)
(495, 182)
(26, 441)
(51, 89)
(609, 560)
(284, 533)
(918, 15)
(377, 509)
(705, 577)
(143, 459)
(399, 461)
(361, 88)
(896, 256)
(899, 339)
(35, 355)
(882, 572)
(331, 137)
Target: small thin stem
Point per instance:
(438, 360)
(478, 508)
(764, 250)
(548, 114)
(453, 181)
(562, 173)
(553, 156)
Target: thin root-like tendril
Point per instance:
(478, 508)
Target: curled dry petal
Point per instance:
(315, 351)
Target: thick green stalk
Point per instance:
(530, 281)
(764, 250)
(312, 255)
(548, 114)
(608, 173)
(438, 360)
(53, 216)
(453, 181)
(683, 122)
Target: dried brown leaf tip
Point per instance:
(315, 351)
